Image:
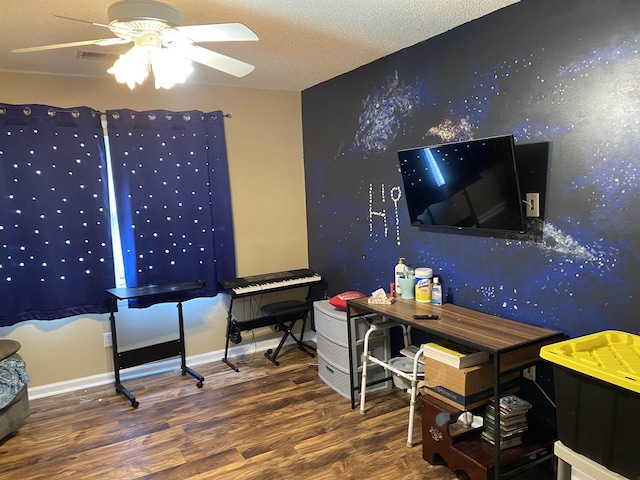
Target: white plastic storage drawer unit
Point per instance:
(333, 349)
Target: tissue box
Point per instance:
(380, 297)
(381, 301)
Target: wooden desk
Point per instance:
(155, 352)
(500, 337)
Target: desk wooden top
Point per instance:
(479, 330)
(124, 293)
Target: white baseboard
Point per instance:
(168, 365)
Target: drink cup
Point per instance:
(407, 286)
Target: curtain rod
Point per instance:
(26, 109)
(168, 115)
(52, 111)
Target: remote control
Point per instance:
(426, 317)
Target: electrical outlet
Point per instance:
(107, 340)
(529, 373)
(533, 204)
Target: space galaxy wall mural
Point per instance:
(562, 74)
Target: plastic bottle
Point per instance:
(436, 292)
(423, 284)
(399, 272)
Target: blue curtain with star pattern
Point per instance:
(173, 198)
(56, 258)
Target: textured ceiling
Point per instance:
(302, 42)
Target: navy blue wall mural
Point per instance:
(565, 74)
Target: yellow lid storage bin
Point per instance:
(609, 356)
(597, 392)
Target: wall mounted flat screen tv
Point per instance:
(464, 185)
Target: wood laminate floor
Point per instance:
(264, 422)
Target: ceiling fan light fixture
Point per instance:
(168, 66)
(132, 68)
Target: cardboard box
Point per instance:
(464, 388)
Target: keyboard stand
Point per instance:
(234, 328)
(245, 287)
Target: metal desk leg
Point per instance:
(183, 359)
(496, 397)
(226, 346)
(352, 387)
(120, 389)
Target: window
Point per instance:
(170, 183)
(55, 244)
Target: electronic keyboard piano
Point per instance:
(270, 282)
(259, 285)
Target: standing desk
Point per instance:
(154, 352)
(513, 343)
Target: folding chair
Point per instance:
(287, 313)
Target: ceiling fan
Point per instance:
(161, 44)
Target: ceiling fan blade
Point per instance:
(101, 42)
(218, 61)
(83, 21)
(222, 32)
(113, 28)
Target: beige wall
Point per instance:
(264, 142)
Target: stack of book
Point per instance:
(511, 424)
(453, 354)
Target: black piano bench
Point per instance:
(287, 314)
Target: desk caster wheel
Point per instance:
(135, 404)
(199, 384)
